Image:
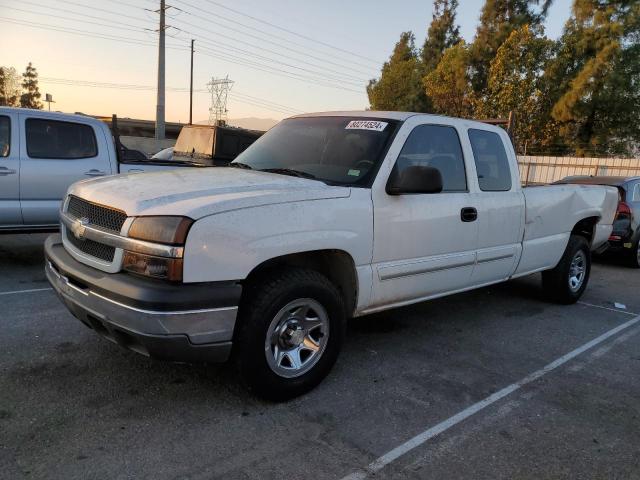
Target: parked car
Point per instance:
(42, 153)
(325, 217)
(625, 238)
(164, 154)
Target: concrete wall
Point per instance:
(542, 170)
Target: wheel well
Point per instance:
(336, 265)
(585, 228)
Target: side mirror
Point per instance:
(414, 179)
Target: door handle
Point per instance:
(468, 214)
(4, 171)
(94, 173)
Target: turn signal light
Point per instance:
(154, 267)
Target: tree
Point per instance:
(31, 96)
(9, 87)
(597, 77)
(498, 19)
(399, 86)
(442, 33)
(449, 85)
(516, 83)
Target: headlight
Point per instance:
(168, 230)
(165, 230)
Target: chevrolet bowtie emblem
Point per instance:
(78, 227)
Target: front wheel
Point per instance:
(292, 325)
(568, 280)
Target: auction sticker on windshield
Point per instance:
(366, 125)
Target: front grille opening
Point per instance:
(95, 249)
(77, 283)
(101, 216)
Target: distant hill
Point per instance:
(250, 123)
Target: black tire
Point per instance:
(633, 256)
(556, 282)
(262, 301)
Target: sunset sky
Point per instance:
(75, 43)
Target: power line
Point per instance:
(292, 32)
(97, 9)
(86, 33)
(217, 54)
(285, 47)
(241, 97)
(262, 57)
(208, 52)
(120, 26)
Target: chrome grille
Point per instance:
(105, 217)
(95, 249)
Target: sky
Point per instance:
(285, 56)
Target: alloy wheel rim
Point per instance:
(577, 271)
(297, 338)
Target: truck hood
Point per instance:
(200, 192)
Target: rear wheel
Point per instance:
(291, 329)
(568, 280)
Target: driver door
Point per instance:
(422, 245)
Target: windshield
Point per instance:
(337, 150)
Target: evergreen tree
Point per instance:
(498, 19)
(9, 92)
(399, 86)
(596, 75)
(442, 33)
(516, 83)
(31, 96)
(449, 85)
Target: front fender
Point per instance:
(231, 244)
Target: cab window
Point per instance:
(436, 146)
(60, 140)
(492, 163)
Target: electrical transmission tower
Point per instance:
(219, 88)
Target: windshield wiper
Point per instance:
(240, 165)
(289, 171)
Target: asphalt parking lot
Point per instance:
(439, 390)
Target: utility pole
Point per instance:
(160, 126)
(191, 87)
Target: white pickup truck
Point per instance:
(327, 216)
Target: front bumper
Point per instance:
(177, 322)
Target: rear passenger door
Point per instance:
(57, 153)
(500, 206)
(10, 215)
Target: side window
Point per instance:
(439, 147)
(636, 193)
(5, 136)
(60, 140)
(492, 163)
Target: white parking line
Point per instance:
(32, 290)
(421, 438)
(607, 308)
